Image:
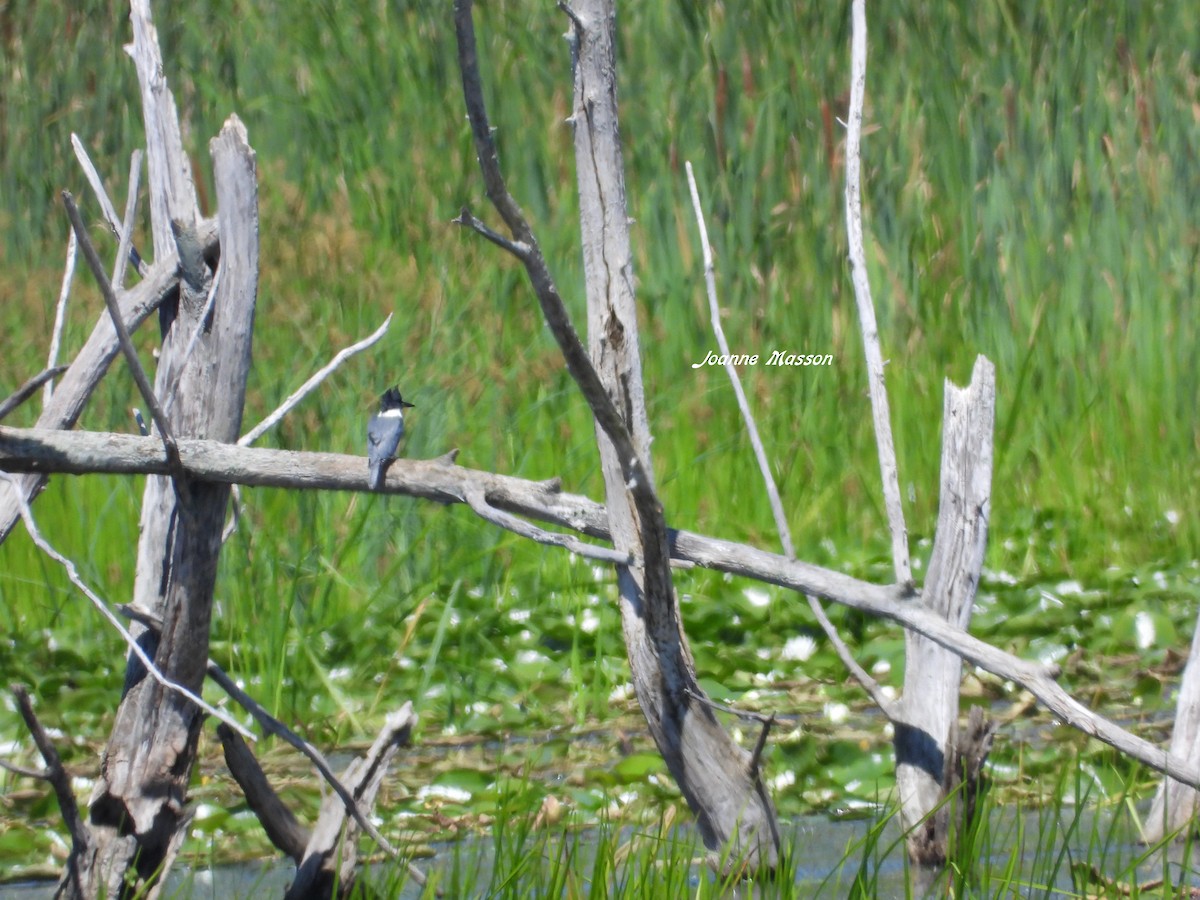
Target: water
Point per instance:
(828, 854)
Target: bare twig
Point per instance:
(102, 607)
(869, 684)
(126, 235)
(305, 389)
(761, 743)
(106, 205)
(888, 469)
(25, 771)
(60, 313)
(748, 715)
(25, 391)
(477, 499)
(55, 773)
(114, 310)
(516, 248)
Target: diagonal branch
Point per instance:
(60, 313)
(102, 607)
(26, 390)
(305, 389)
(114, 310)
(55, 773)
(525, 247)
(869, 684)
(106, 206)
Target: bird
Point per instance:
(383, 434)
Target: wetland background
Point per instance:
(1031, 176)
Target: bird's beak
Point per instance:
(408, 405)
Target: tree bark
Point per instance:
(138, 815)
(927, 722)
(717, 777)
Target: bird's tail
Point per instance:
(378, 471)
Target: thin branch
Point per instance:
(47, 450)
(106, 206)
(126, 236)
(60, 313)
(305, 389)
(102, 607)
(114, 310)
(575, 355)
(477, 499)
(55, 773)
(889, 471)
(516, 248)
(24, 771)
(869, 684)
(710, 282)
(749, 715)
(760, 744)
(271, 725)
(27, 390)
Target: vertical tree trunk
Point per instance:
(925, 738)
(137, 814)
(719, 780)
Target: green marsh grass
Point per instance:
(1031, 187)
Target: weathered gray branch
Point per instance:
(77, 453)
(126, 342)
(862, 294)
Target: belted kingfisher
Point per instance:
(384, 433)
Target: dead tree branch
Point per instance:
(58, 777)
(114, 309)
(60, 313)
(27, 390)
(869, 684)
(319, 376)
(438, 480)
(862, 294)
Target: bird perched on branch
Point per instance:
(384, 433)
